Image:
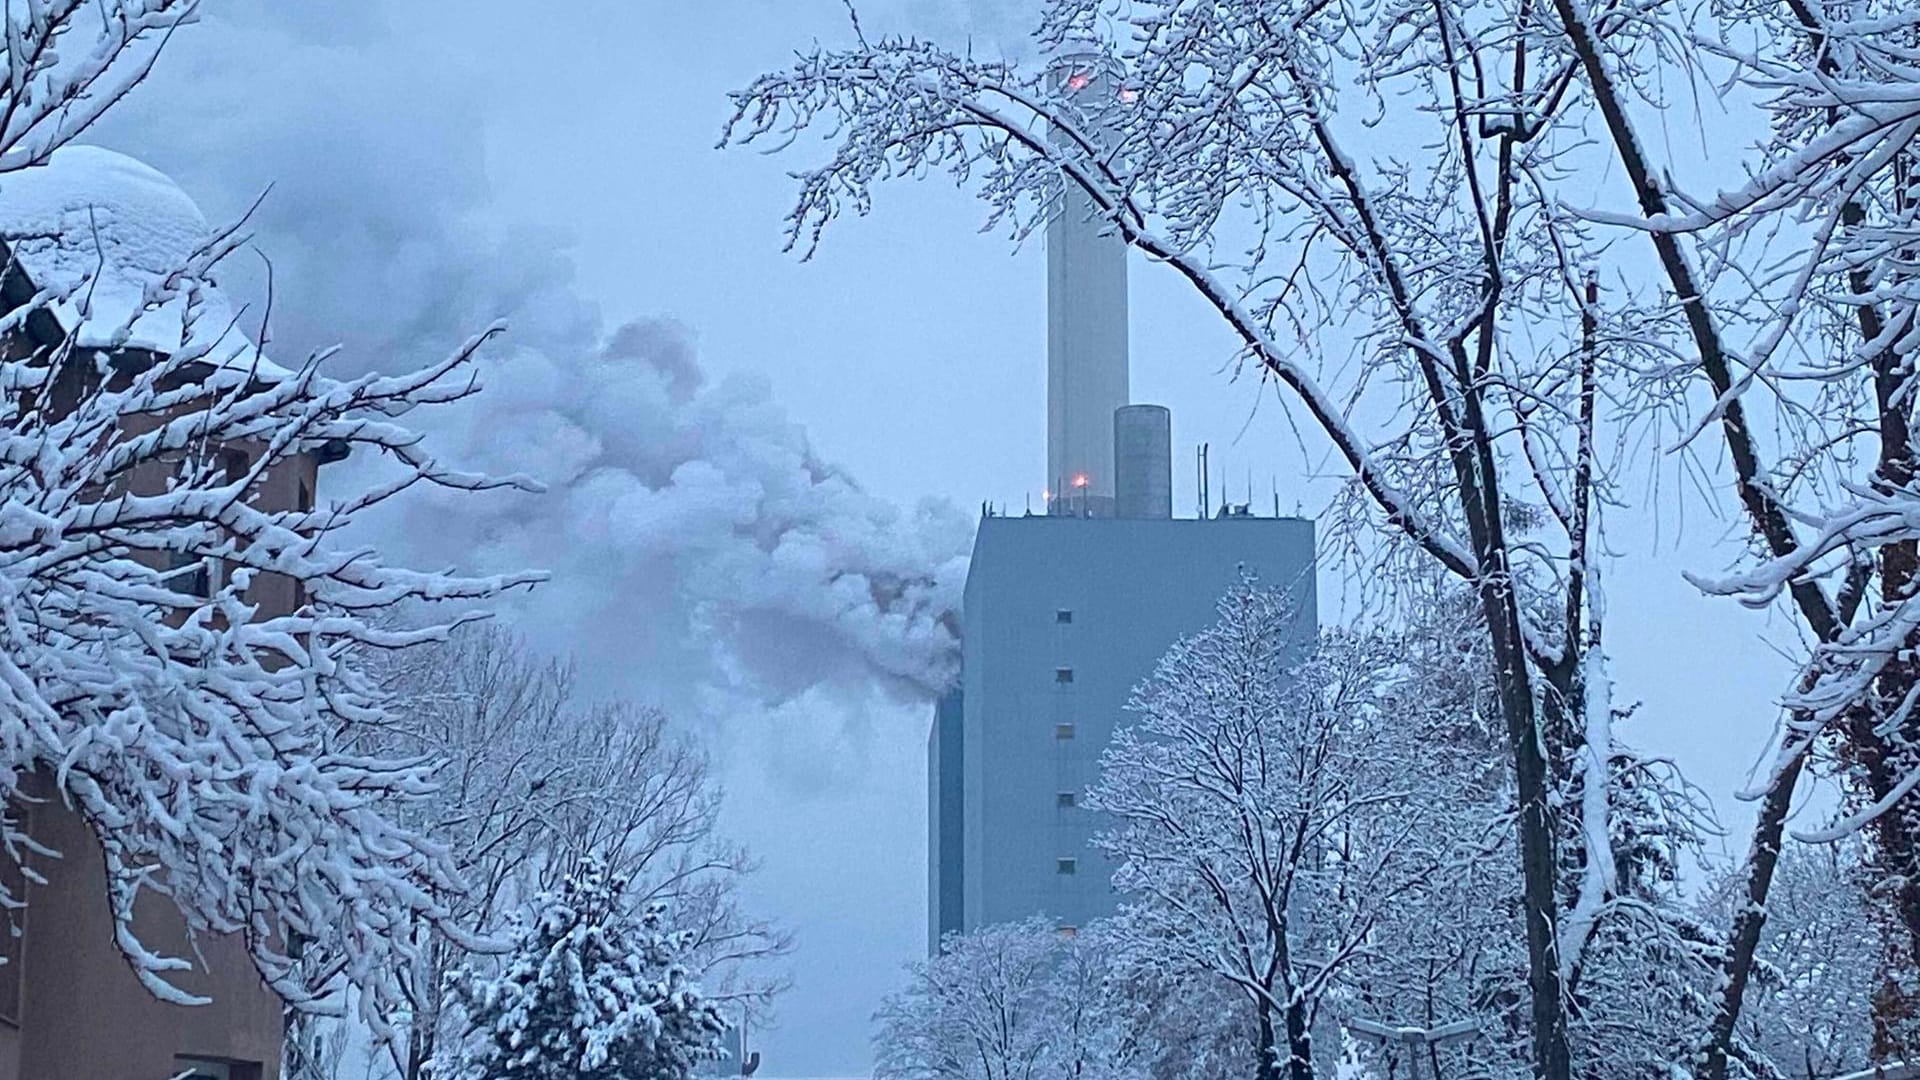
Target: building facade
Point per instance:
(1064, 617)
(1066, 612)
(71, 1007)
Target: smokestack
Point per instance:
(1086, 312)
(1143, 461)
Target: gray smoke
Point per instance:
(703, 555)
(693, 534)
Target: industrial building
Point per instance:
(1068, 609)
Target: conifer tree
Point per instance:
(591, 991)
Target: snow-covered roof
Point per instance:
(100, 228)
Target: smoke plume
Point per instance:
(695, 528)
(697, 543)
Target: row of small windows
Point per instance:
(1065, 800)
(1063, 676)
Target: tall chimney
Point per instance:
(1086, 314)
(1143, 461)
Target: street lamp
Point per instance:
(1415, 1039)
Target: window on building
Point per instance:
(1064, 800)
(234, 464)
(187, 573)
(1063, 731)
(1068, 931)
(1063, 616)
(1063, 675)
(1066, 866)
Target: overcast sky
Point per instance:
(436, 165)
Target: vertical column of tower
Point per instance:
(1086, 322)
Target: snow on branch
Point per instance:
(183, 634)
(1152, 167)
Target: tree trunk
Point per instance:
(1768, 519)
(1749, 921)
(1476, 471)
(1552, 1057)
(1267, 1062)
(1887, 757)
(1299, 1042)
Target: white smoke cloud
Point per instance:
(378, 216)
(698, 545)
(691, 526)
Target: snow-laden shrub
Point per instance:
(591, 991)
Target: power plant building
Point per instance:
(1066, 611)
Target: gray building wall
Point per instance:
(1063, 617)
(945, 849)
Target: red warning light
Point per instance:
(1078, 80)
(1080, 480)
(1127, 95)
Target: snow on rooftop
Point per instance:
(100, 228)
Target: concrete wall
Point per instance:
(1143, 462)
(1064, 616)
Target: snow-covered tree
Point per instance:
(1260, 822)
(1016, 1001)
(593, 990)
(201, 738)
(1821, 234)
(181, 652)
(1184, 1025)
(1322, 835)
(1310, 835)
(976, 1011)
(1438, 316)
(532, 780)
(1434, 316)
(1098, 1021)
(1449, 949)
(1820, 966)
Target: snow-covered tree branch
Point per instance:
(1255, 789)
(594, 990)
(532, 782)
(183, 627)
(1431, 319)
